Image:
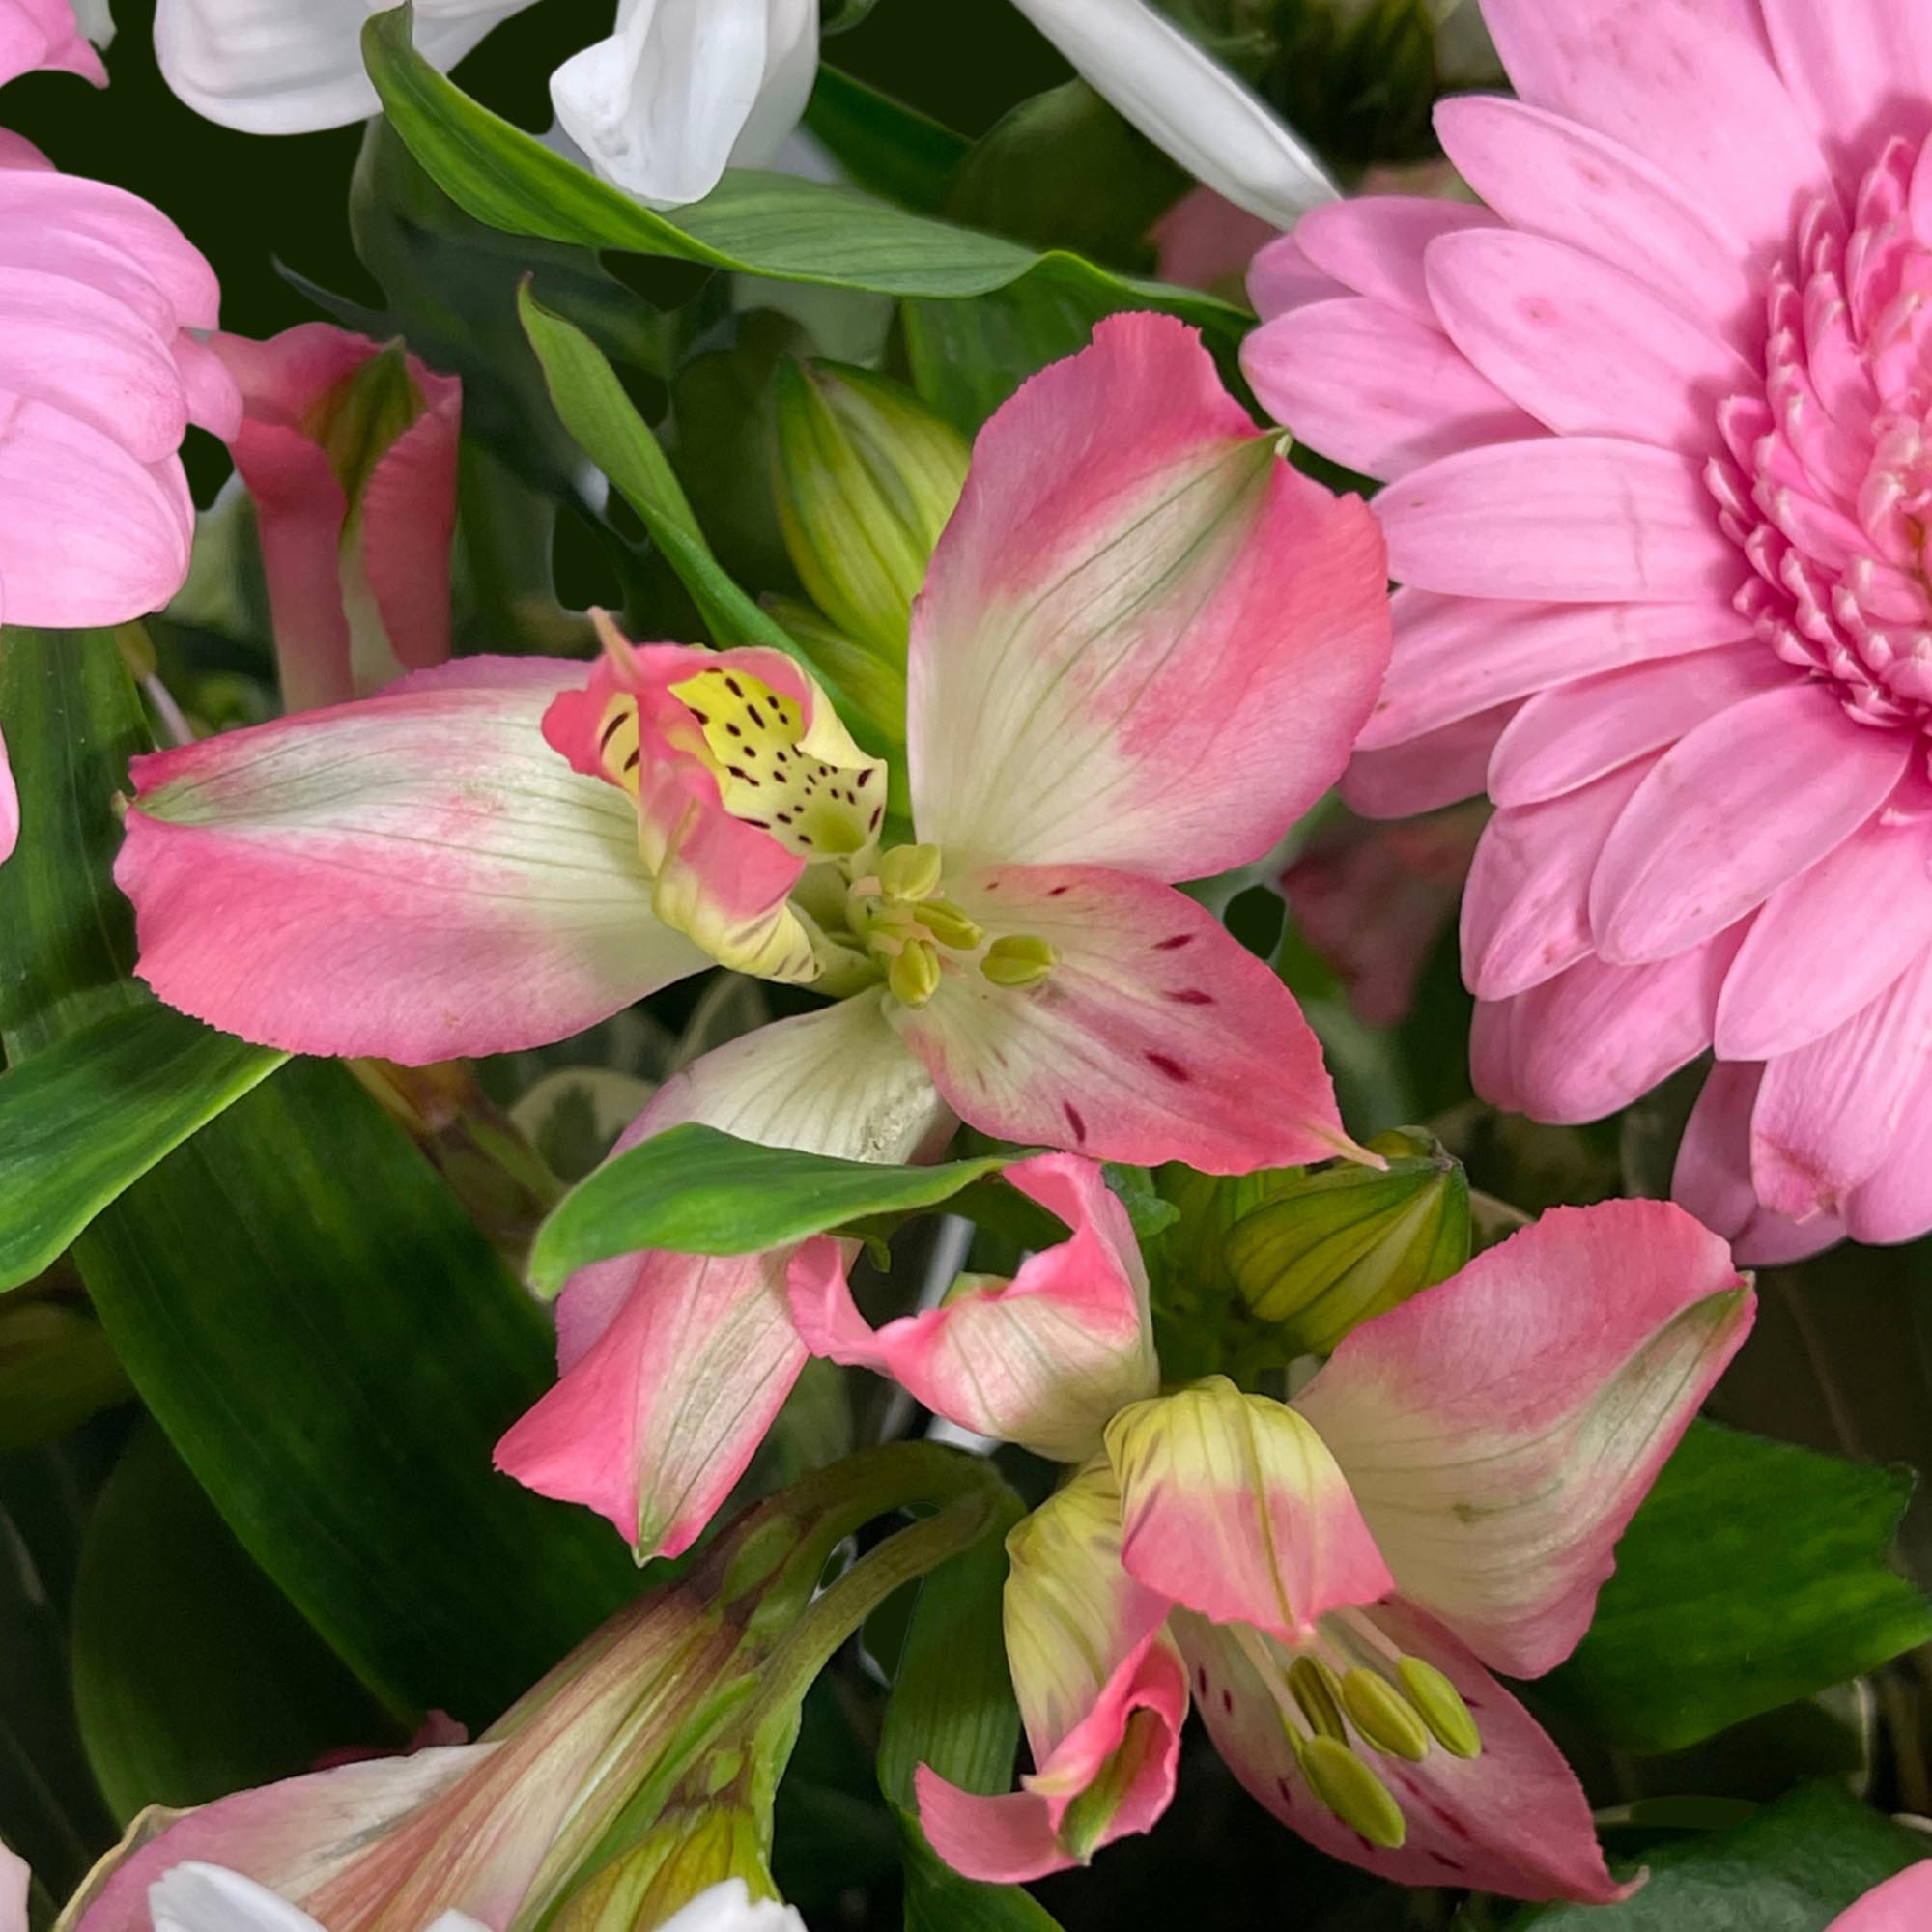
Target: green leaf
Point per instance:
(82, 1121)
(192, 1674)
(1753, 1574)
(759, 224)
(57, 1369)
(327, 1340)
(885, 145)
(953, 1703)
(697, 1191)
(1792, 1868)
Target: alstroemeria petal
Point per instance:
(288, 67)
(1043, 1359)
(292, 1837)
(1513, 1820)
(673, 1365)
(1186, 104)
(1158, 1035)
(1901, 1904)
(1232, 1504)
(1500, 1430)
(1101, 1694)
(417, 875)
(1145, 640)
(14, 1882)
(10, 806)
(685, 87)
(656, 1420)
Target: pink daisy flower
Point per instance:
(1657, 423)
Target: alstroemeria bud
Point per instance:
(1335, 1247)
(350, 451)
(866, 478)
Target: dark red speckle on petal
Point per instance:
(1174, 944)
(1162, 1063)
(1191, 996)
(1075, 1120)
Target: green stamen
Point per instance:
(1377, 1710)
(910, 872)
(1356, 1796)
(949, 924)
(1019, 960)
(1441, 1707)
(1318, 1696)
(914, 974)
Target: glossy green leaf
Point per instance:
(192, 1674)
(760, 224)
(1753, 1574)
(886, 147)
(84, 1120)
(697, 1191)
(1792, 1868)
(332, 1346)
(57, 1369)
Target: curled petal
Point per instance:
(1100, 1690)
(1233, 1505)
(36, 34)
(414, 876)
(1043, 1359)
(1156, 1036)
(1500, 1430)
(1145, 640)
(1512, 1820)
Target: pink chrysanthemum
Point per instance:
(1657, 423)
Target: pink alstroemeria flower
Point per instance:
(1143, 649)
(353, 471)
(1903, 1903)
(1334, 1579)
(1655, 423)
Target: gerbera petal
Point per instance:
(1855, 70)
(1545, 174)
(1712, 1178)
(1567, 520)
(1375, 244)
(1282, 277)
(1585, 348)
(417, 875)
(1526, 911)
(1456, 656)
(1828, 1114)
(1233, 1505)
(1895, 1204)
(1043, 1359)
(1142, 1043)
(1575, 733)
(1144, 640)
(1688, 82)
(1746, 800)
(1795, 978)
(1500, 1430)
(1425, 773)
(1373, 388)
(409, 520)
(1597, 1036)
(1513, 1821)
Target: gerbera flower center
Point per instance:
(1830, 495)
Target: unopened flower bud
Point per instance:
(1331, 1249)
(866, 478)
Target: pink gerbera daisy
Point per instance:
(1657, 423)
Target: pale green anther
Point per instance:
(1019, 960)
(1377, 1710)
(910, 872)
(1441, 1707)
(1312, 1686)
(1353, 1792)
(914, 974)
(949, 924)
